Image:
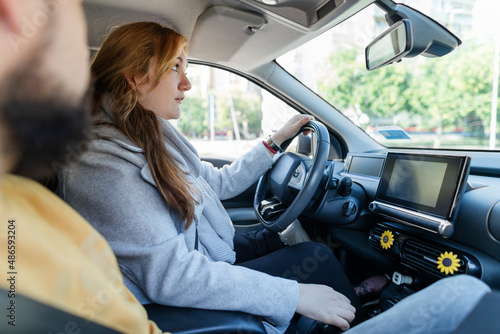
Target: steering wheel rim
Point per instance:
(309, 185)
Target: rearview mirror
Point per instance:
(391, 46)
(411, 33)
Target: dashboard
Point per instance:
(407, 243)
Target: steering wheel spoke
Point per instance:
(271, 209)
(298, 178)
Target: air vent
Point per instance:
(422, 256)
(375, 236)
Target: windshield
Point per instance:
(449, 102)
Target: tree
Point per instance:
(193, 121)
(379, 93)
(247, 106)
(444, 93)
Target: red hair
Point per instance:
(127, 52)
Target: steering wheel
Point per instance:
(292, 181)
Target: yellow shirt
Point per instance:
(58, 259)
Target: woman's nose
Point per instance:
(185, 84)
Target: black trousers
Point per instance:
(307, 262)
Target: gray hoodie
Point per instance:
(112, 187)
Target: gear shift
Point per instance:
(345, 187)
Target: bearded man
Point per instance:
(49, 253)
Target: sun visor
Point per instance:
(227, 28)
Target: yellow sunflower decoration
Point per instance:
(448, 263)
(387, 239)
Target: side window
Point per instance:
(224, 114)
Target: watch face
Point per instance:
(273, 145)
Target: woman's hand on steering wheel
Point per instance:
(291, 128)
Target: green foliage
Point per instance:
(247, 106)
(193, 121)
(248, 111)
(446, 93)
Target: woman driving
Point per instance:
(144, 187)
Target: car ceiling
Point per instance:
(219, 30)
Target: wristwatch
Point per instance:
(273, 145)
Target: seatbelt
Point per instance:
(37, 317)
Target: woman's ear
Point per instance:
(138, 83)
(131, 81)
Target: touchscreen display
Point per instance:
(417, 181)
(425, 183)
